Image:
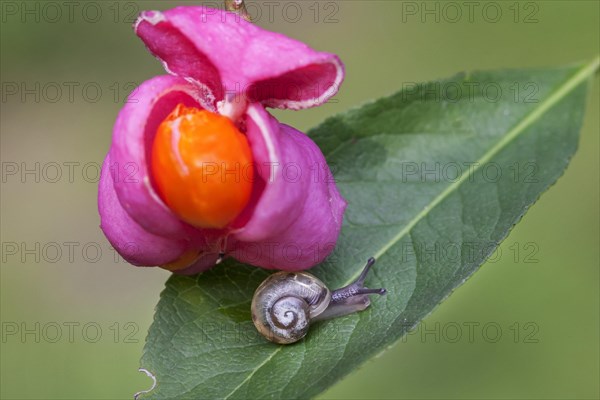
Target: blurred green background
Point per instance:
(528, 322)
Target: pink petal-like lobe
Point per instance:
(134, 243)
(297, 219)
(264, 66)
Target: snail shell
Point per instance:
(284, 304)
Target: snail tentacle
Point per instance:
(351, 298)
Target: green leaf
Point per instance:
(435, 177)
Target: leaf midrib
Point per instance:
(575, 80)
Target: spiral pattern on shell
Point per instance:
(289, 318)
(284, 304)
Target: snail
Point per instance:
(286, 303)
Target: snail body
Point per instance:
(286, 303)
